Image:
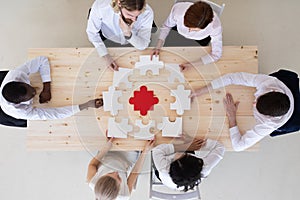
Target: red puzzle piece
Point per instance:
(143, 100)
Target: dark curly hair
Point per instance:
(198, 15)
(186, 171)
(14, 92)
(273, 104)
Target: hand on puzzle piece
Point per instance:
(154, 52)
(149, 145)
(94, 103)
(111, 63)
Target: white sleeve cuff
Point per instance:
(207, 59)
(102, 51)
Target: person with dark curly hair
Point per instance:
(180, 170)
(196, 21)
(273, 106)
(16, 94)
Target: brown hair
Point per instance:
(198, 15)
(106, 188)
(130, 5)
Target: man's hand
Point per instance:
(45, 95)
(231, 109)
(95, 103)
(196, 144)
(111, 63)
(126, 29)
(155, 52)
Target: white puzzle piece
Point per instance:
(146, 64)
(110, 101)
(118, 130)
(144, 132)
(183, 102)
(175, 73)
(122, 76)
(171, 129)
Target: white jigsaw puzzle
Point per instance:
(146, 64)
(118, 130)
(183, 102)
(110, 100)
(122, 76)
(171, 129)
(175, 73)
(144, 132)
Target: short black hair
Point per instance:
(14, 92)
(273, 104)
(186, 171)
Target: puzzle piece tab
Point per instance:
(110, 101)
(183, 102)
(146, 64)
(122, 76)
(170, 129)
(144, 132)
(143, 100)
(175, 73)
(118, 130)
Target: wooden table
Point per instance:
(78, 75)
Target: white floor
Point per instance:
(272, 173)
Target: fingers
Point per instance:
(155, 52)
(182, 67)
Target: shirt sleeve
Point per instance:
(216, 45)
(167, 25)
(30, 113)
(240, 78)
(216, 152)
(140, 38)
(249, 138)
(39, 64)
(93, 28)
(162, 156)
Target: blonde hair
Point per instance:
(130, 5)
(106, 188)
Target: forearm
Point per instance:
(132, 178)
(204, 90)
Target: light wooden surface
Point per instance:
(78, 74)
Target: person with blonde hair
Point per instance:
(196, 21)
(121, 21)
(113, 174)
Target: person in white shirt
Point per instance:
(195, 21)
(113, 175)
(121, 21)
(16, 94)
(180, 170)
(273, 106)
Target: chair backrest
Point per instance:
(6, 119)
(217, 8)
(164, 193)
(291, 80)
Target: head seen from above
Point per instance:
(273, 104)
(186, 171)
(108, 186)
(129, 9)
(198, 16)
(18, 92)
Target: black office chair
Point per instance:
(291, 80)
(6, 119)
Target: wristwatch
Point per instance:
(128, 37)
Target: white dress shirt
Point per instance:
(103, 17)
(119, 161)
(213, 29)
(265, 125)
(25, 110)
(163, 155)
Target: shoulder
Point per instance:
(180, 8)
